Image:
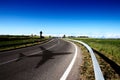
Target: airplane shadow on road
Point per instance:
(46, 55)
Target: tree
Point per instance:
(64, 36)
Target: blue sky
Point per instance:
(95, 18)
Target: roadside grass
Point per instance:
(110, 59)
(13, 42)
(108, 72)
(109, 47)
(86, 69)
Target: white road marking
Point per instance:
(40, 44)
(66, 73)
(96, 67)
(30, 54)
(46, 49)
(8, 61)
(47, 42)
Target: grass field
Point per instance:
(109, 47)
(8, 42)
(108, 55)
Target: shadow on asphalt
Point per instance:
(46, 55)
(112, 63)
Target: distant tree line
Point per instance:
(78, 37)
(83, 37)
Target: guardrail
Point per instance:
(96, 67)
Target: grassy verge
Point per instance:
(108, 72)
(86, 69)
(14, 42)
(107, 53)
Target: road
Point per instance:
(47, 61)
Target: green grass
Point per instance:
(8, 42)
(109, 48)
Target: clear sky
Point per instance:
(96, 18)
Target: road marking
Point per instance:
(66, 73)
(54, 45)
(30, 54)
(8, 61)
(46, 49)
(97, 71)
(47, 42)
(40, 44)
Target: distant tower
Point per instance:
(64, 36)
(40, 34)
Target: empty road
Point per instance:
(52, 60)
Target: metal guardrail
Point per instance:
(97, 70)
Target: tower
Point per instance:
(40, 34)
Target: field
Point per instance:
(108, 55)
(8, 42)
(110, 47)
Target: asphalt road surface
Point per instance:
(48, 61)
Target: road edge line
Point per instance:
(96, 67)
(67, 71)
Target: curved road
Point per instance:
(47, 61)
